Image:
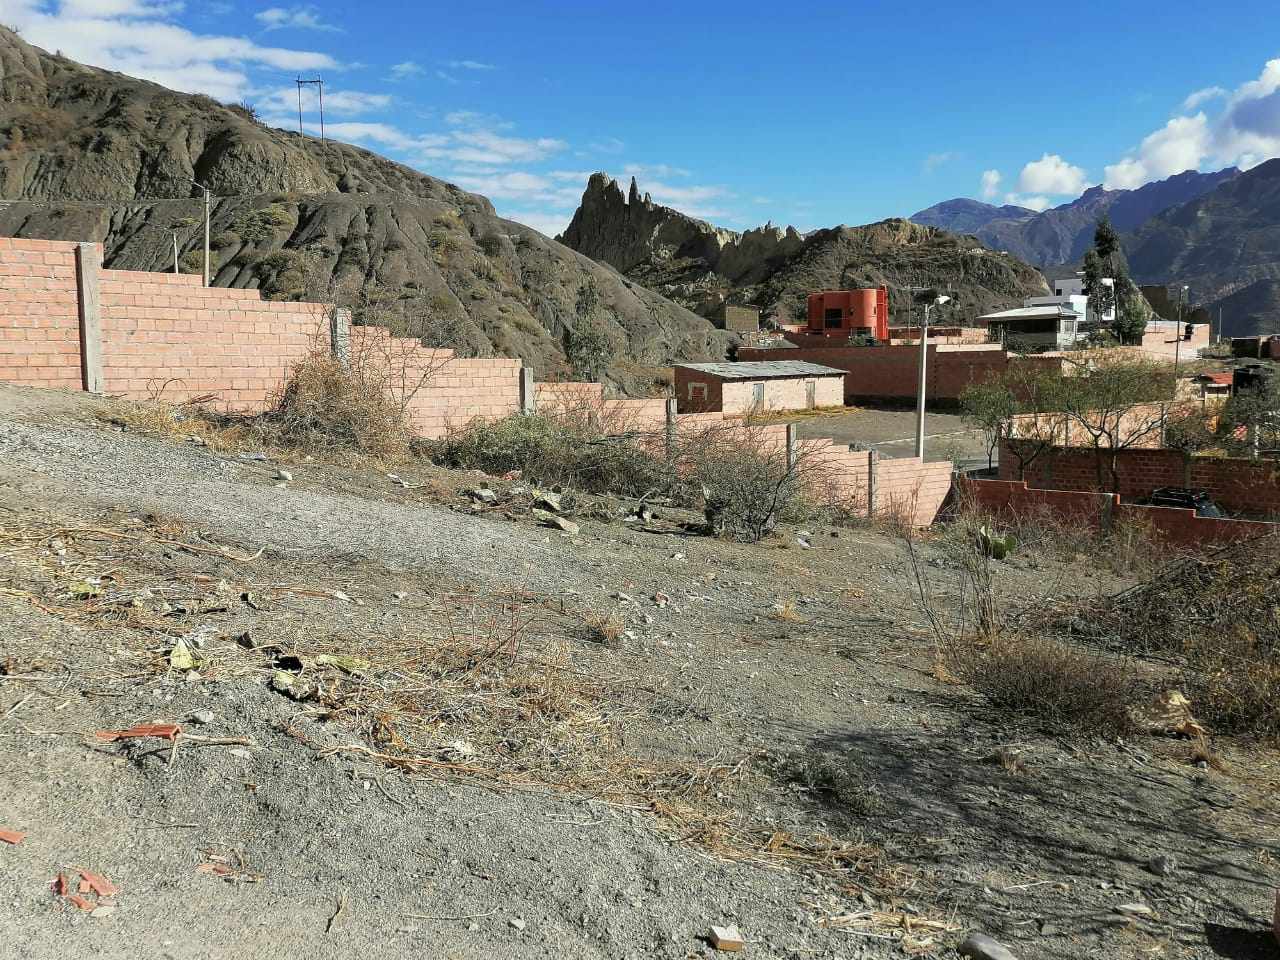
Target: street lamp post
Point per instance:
(206, 229)
(924, 359)
(1177, 343)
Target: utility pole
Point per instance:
(175, 253)
(1177, 343)
(924, 359)
(207, 212)
(318, 83)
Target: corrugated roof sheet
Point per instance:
(763, 369)
(1032, 312)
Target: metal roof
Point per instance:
(763, 369)
(1032, 312)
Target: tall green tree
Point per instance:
(1106, 242)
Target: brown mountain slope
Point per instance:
(86, 154)
(700, 266)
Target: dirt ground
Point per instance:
(760, 742)
(892, 432)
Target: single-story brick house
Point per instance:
(757, 386)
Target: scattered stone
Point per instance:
(727, 939)
(548, 501)
(400, 595)
(106, 910)
(978, 946)
(201, 717)
(517, 923)
(1133, 910)
(482, 495)
(560, 523)
(241, 754)
(255, 457)
(284, 475)
(1164, 865)
(339, 595)
(661, 599)
(282, 485)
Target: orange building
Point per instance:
(849, 313)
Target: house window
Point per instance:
(697, 391)
(832, 318)
(757, 395)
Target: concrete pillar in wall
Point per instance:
(873, 464)
(528, 391)
(340, 335)
(793, 445)
(88, 268)
(671, 427)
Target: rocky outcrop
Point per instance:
(86, 154)
(701, 266)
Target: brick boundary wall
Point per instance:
(1249, 487)
(1013, 500)
(166, 336)
(891, 372)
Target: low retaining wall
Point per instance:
(1250, 487)
(1013, 500)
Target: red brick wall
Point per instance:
(39, 314)
(714, 387)
(892, 371)
(166, 335)
(1240, 485)
(1014, 500)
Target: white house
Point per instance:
(1056, 322)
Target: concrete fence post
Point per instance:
(340, 335)
(873, 465)
(528, 391)
(793, 445)
(672, 411)
(88, 268)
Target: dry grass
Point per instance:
(604, 628)
(1058, 687)
(766, 417)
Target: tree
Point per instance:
(1106, 242)
(1115, 404)
(989, 406)
(1102, 298)
(589, 347)
(1132, 310)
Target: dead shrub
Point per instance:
(325, 405)
(604, 628)
(1057, 686)
(834, 780)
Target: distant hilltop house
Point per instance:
(757, 387)
(1060, 321)
(738, 318)
(850, 313)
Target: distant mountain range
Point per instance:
(1062, 234)
(1225, 245)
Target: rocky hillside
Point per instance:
(86, 154)
(1063, 234)
(700, 265)
(1224, 245)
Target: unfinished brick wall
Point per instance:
(39, 314)
(167, 336)
(1250, 487)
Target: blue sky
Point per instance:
(808, 114)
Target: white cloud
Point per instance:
(447, 78)
(1052, 174)
(135, 37)
(935, 160)
(1245, 132)
(990, 184)
(606, 145)
(338, 102)
(654, 170)
(405, 70)
(1202, 96)
(293, 18)
(469, 65)
(551, 223)
(1037, 204)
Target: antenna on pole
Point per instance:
(318, 83)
